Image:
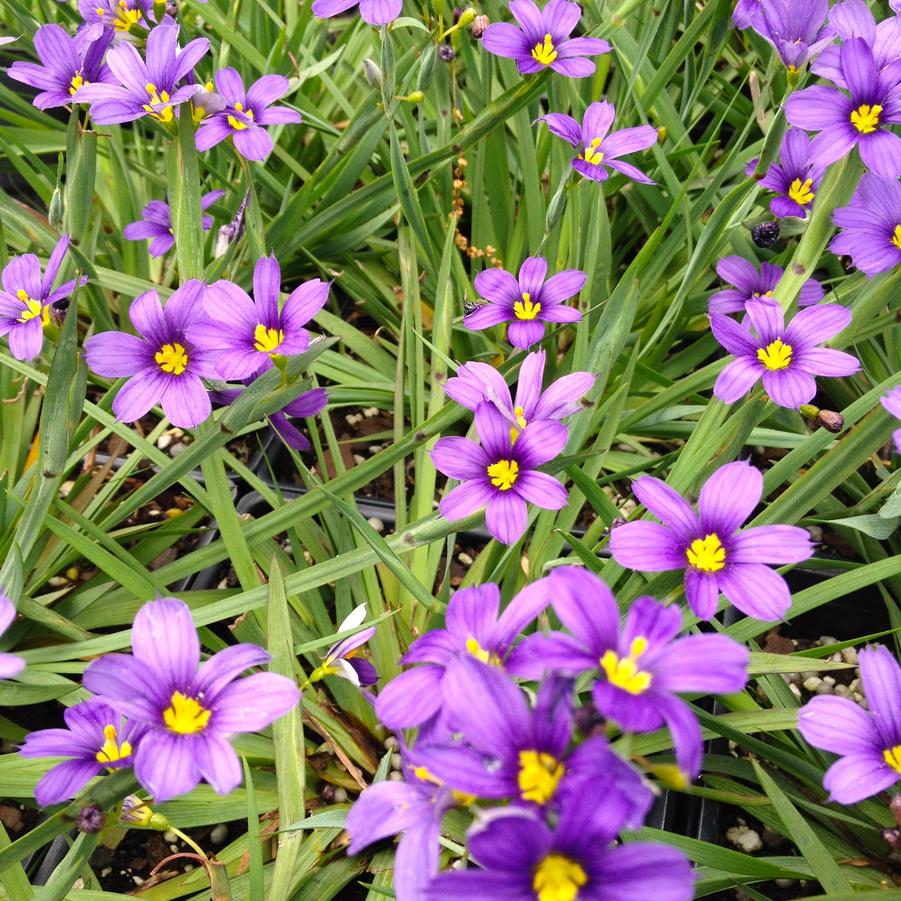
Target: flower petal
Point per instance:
(729, 497)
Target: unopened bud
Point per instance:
(661, 134)
(57, 208)
(414, 97)
(230, 232)
(136, 812)
(479, 24)
(372, 73)
(467, 16)
(826, 419)
(895, 807)
(90, 819)
(766, 234)
(446, 53)
(893, 837)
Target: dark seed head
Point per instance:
(766, 234)
(831, 421)
(446, 53)
(90, 819)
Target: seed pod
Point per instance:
(766, 234)
(479, 24)
(372, 72)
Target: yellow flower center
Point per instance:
(237, 124)
(503, 474)
(775, 355)
(112, 750)
(157, 98)
(765, 294)
(800, 192)
(557, 878)
(591, 154)
(519, 415)
(893, 758)
(866, 118)
(623, 672)
(539, 774)
(477, 651)
(896, 237)
(525, 309)
(707, 554)
(33, 308)
(126, 17)
(544, 53)
(266, 340)
(77, 82)
(172, 358)
(185, 715)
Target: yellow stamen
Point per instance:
(801, 193)
(172, 358)
(267, 340)
(77, 82)
(544, 53)
(866, 118)
(156, 99)
(477, 651)
(775, 355)
(185, 715)
(125, 18)
(623, 672)
(503, 474)
(765, 294)
(896, 237)
(99, 10)
(707, 554)
(519, 415)
(462, 798)
(33, 308)
(557, 878)
(893, 758)
(591, 154)
(525, 309)
(539, 774)
(236, 123)
(112, 750)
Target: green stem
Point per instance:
(184, 201)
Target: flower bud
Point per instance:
(468, 15)
(446, 53)
(372, 73)
(90, 819)
(479, 24)
(766, 234)
(831, 421)
(57, 208)
(230, 232)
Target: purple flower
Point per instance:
(372, 12)
(477, 382)
(156, 223)
(164, 364)
(119, 16)
(785, 357)
(10, 664)
(795, 179)
(599, 148)
(748, 14)
(96, 741)
(543, 39)
(501, 474)
(190, 709)
(340, 660)
(749, 284)
(869, 744)
(472, 627)
(145, 88)
(522, 858)
(244, 334)
(892, 403)
(715, 555)
(863, 120)
(27, 296)
(245, 114)
(645, 666)
(871, 225)
(526, 304)
(67, 63)
(796, 30)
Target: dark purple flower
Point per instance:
(148, 88)
(27, 296)
(645, 666)
(10, 664)
(750, 284)
(116, 16)
(67, 63)
(795, 179)
(523, 859)
(156, 223)
(748, 14)
(372, 12)
(708, 545)
(601, 149)
(165, 364)
(543, 39)
(871, 225)
(478, 382)
(863, 120)
(190, 709)
(869, 743)
(796, 30)
(245, 333)
(245, 114)
(473, 627)
(892, 403)
(340, 660)
(95, 739)
(501, 474)
(786, 357)
(526, 304)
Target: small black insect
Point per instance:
(470, 306)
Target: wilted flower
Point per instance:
(749, 284)
(27, 296)
(156, 223)
(892, 403)
(67, 63)
(120, 16)
(599, 148)
(10, 664)
(340, 659)
(794, 179)
(190, 709)
(500, 474)
(543, 39)
(786, 358)
(526, 304)
(145, 88)
(165, 364)
(871, 225)
(797, 31)
(709, 546)
(869, 743)
(372, 12)
(96, 740)
(245, 114)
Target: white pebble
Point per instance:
(369, 412)
(849, 655)
(359, 458)
(376, 524)
(812, 683)
(219, 834)
(340, 795)
(745, 839)
(795, 689)
(464, 558)
(397, 762)
(169, 836)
